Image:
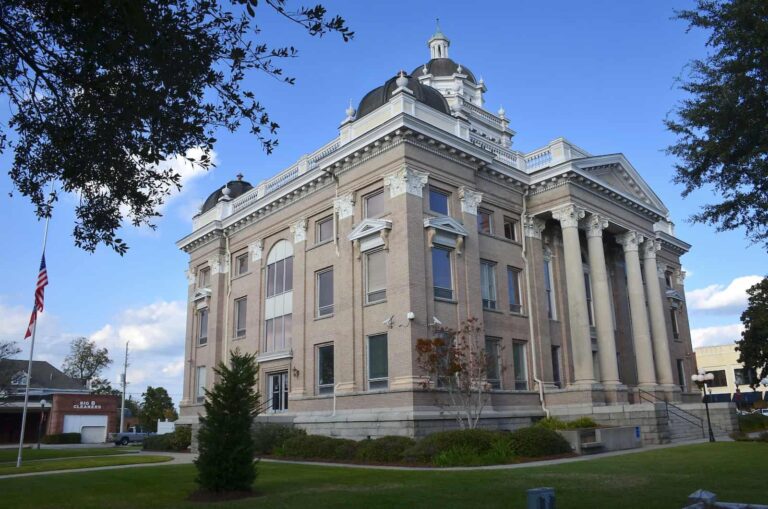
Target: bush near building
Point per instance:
(269, 436)
(753, 422)
(178, 441)
(61, 438)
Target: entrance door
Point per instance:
(278, 390)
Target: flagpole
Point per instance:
(29, 366)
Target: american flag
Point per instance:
(42, 281)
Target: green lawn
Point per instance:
(9, 455)
(71, 463)
(654, 479)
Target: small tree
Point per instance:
(7, 349)
(753, 345)
(85, 361)
(157, 405)
(456, 363)
(226, 460)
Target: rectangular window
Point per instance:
(200, 384)
(325, 369)
(438, 201)
(325, 292)
(280, 277)
(549, 290)
(520, 365)
(488, 284)
(675, 325)
(378, 362)
(204, 278)
(375, 276)
(484, 221)
(202, 326)
(720, 380)
(240, 314)
(681, 378)
(278, 333)
(556, 373)
(278, 391)
(744, 376)
(324, 230)
(493, 359)
(668, 278)
(241, 264)
(510, 229)
(590, 304)
(441, 273)
(513, 287)
(374, 204)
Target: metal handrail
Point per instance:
(692, 419)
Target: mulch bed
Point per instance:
(224, 496)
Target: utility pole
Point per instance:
(122, 404)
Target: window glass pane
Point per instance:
(484, 221)
(325, 293)
(441, 273)
(556, 376)
(325, 369)
(240, 315)
(374, 204)
(269, 335)
(378, 366)
(376, 276)
(203, 326)
(488, 284)
(493, 369)
(200, 390)
(720, 380)
(438, 201)
(324, 230)
(287, 338)
(513, 286)
(270, 280)
(242, 264)
(279, 277)
(519, 366)
(588, 288)
(288, 284)
(510, 230)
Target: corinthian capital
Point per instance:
(650, 246)
(630, 240)
(406, 180)
(469, 200)
(569, 216)
(533, 226)
(344, 206)
(595, 224)
(299, 230)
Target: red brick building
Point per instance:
(90, 415)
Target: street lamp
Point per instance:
(701, 380)
(40, 422)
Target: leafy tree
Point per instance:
(225, 441)
(85, 361)
(456, 362)
(100, 93)
(157, 404)
(721, 136)
(133, 405)
(103, 386)
(753, 345)
(7, 349)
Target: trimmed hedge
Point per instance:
(317, 447)
(178, 441)
(61, 438)
(269, 436)
(554, 423)
(429, 447)
(387, 449)
(537, 441)
(753, 422)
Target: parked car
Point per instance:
(763, 411)
(134, 434)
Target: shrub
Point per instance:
(458, 456)
(61, 438)
(753, 422)
(178, 441)
(582, 422)
(317, 447)
(739, 436)
(763, 437)
(429, 447)
(537, 441)
(388, 449)
(269, 436)
(552, 423)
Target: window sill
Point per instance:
(368, 304)
(521, 314)
(320, 244)
(200, 345)
(492, 310)
(239, 338)
(324, 317)
(238, 276)
(443, 299)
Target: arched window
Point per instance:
(278, 304)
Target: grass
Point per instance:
(9, 455)
(661, 478)
(72, 463)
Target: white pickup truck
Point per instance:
(134, 434)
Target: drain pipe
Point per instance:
(227, 260)
(530, 306)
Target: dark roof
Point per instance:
(381, 95)
(236, 188)
(43, 375)
(444, 67)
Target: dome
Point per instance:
(236, 188)
(423, 93)
(444, 67)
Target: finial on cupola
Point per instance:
(239, 176)
(350, 111)
(402, 80)
(502, 112)
(438, 43)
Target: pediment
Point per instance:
(617, 174)
(446, 224)
(369, 227)
(201, 294)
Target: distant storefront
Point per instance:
(92, 416)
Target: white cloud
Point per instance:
(716, 335)
(187, 170)
(721, 298)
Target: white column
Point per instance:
(581, 343)
(606, 341)
(656, 308)
(641, 334)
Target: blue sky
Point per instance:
(601, 74)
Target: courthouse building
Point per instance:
(423, 213)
